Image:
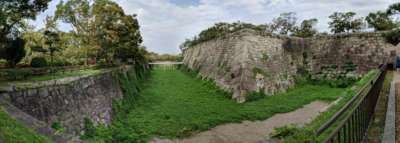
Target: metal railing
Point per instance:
(353, 118)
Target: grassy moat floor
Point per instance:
(175, 104)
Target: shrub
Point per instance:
(254, 96)
(17, 74)
(293, 134)
(14, 51)
(60, 62)
(89, 129)
(301, 136)
(393, 36)
(285, 131)
(38, 62)
(58, 127)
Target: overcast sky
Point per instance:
(165, 24)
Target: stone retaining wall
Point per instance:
(69, 103)
(248, 60)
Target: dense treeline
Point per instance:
(154, 57)
(101, 34)
(286, 24)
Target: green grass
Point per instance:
(13, 132)
(325, 116)
(175, 104)
(60, 75)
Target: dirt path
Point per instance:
(252, 132)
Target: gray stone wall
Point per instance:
(364, 50)
(247, 60)
(69, 103)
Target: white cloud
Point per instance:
(164, 25)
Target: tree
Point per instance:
(284, 24)
(15, 51)
(306, 28)
(78, 14)
(12, 12)
(117, 33)
(345, 22)
(380, 21)
(12, 16)
(393, 9)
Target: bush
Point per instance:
(38, 62)
(14, 51)
(89, 129)
(17, 74)
(285, 131)
(254, 96)
(293, 134)
(60, 63)
(393, 36)
(58, 127)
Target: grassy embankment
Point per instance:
(176, 104)
(12, 131)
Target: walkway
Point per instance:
(396, 80)
(252, 132)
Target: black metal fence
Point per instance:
(352, 120)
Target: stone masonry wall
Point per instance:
(88, 97)
(247, 60)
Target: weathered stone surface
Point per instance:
(247, 60)
(69, 103)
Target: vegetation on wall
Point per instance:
(392, 36)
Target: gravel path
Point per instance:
(252, 131)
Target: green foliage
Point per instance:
(89, 129)
(12, 14)
(12, 131)
(306, 29)
(293, 134)
(325, 116)
(285, 23)
(163, 57)
(380, 21)
(104, 30)
(301, 136)
(394, 9)
(254, 96)
(202, 105)
(16, 74)
(58, 127)
(14, 51)
(393, 36)
(285, 131)
(38, 62)
(220, 30)
(349, 66)
(345, 22)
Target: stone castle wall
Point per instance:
(248, 61)
(69, 103)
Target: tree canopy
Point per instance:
(306, 29)
(284, 24)
(345, 22)
(102, 29)
(12, 16)
(380, 21)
